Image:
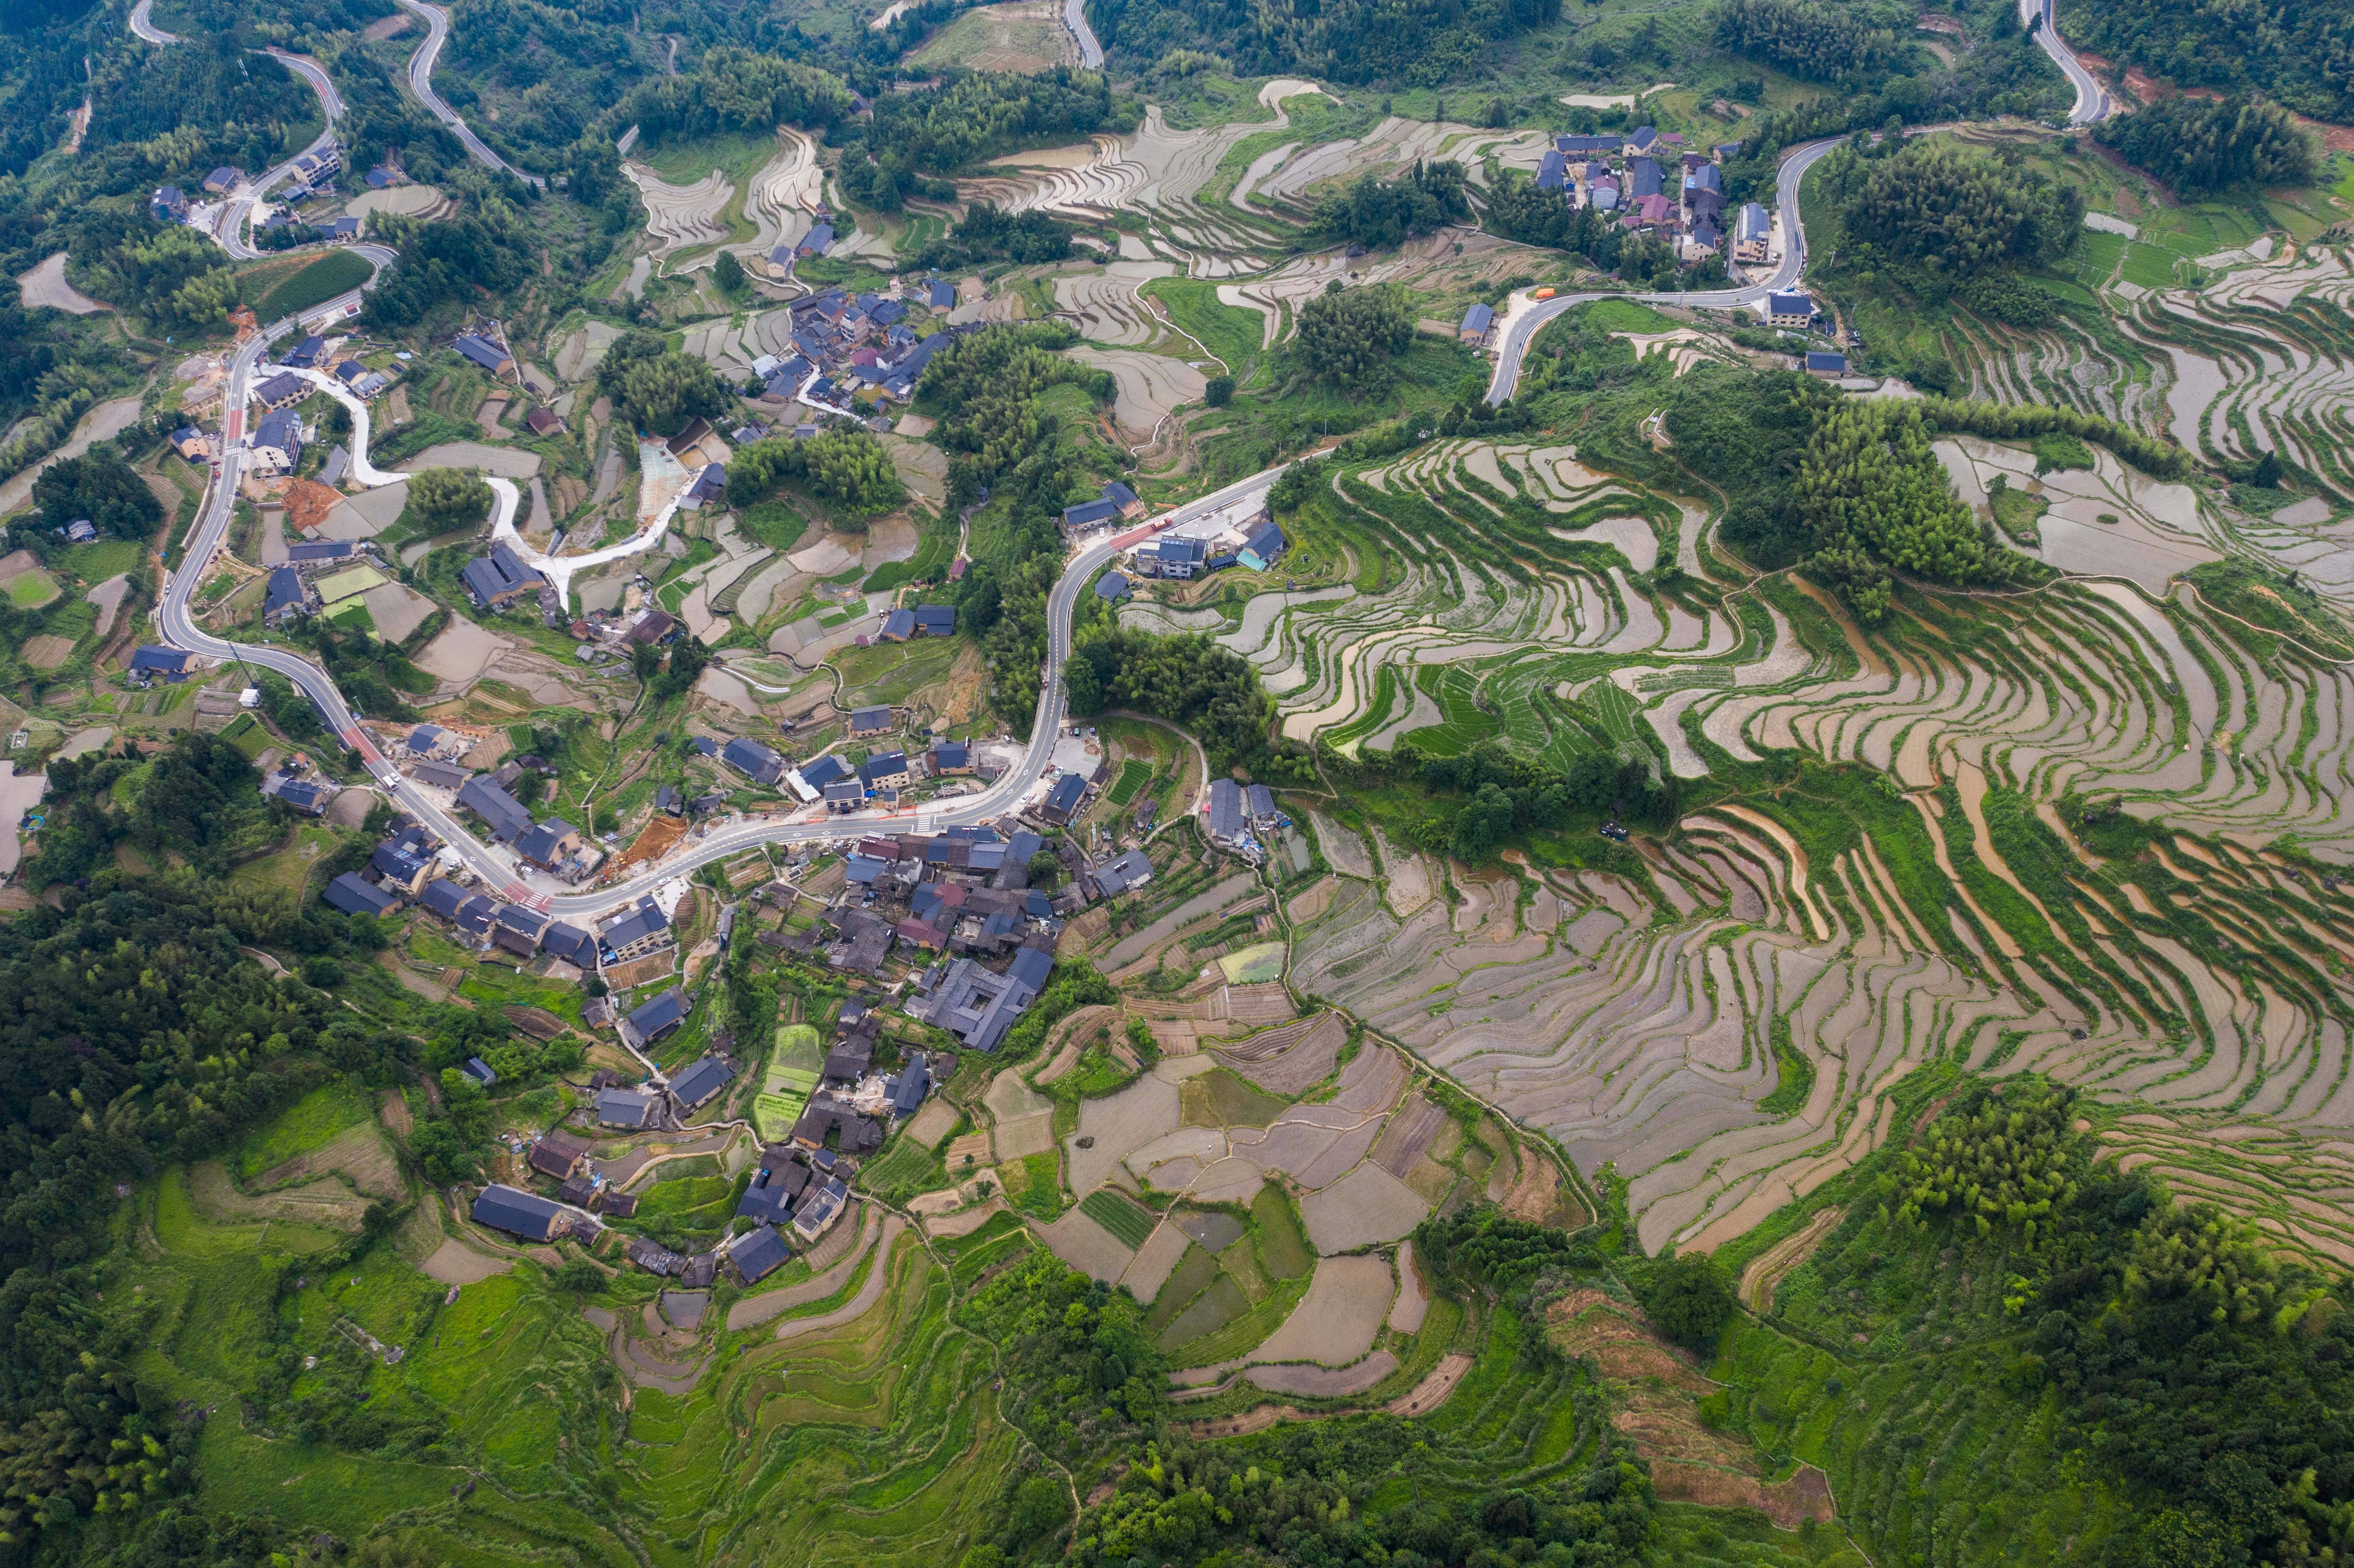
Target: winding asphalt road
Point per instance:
(1075, 18)
(1521, 329)
(236, 212)
(144, 28)
(2093, 101)
(420, 82)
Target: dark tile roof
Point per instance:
(504, 814)
(556, 1154)
(539, 843)
(664, 1013)
(701, 1079)
(1117, 876)
(401, 864)
(354, 896)
(570, 943)
(286, 591)
(624, 1107)
(757, 1253)
(444, 775)
(1226, 817)
(753, 760)
(915, 1082)
(500, 573)
(481, 351)
(639, 921)
(518, 1212)
(1063, 798)
(160, 660)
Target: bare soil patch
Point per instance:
(1154, 1262)
(965, 1220)
(461, 653)
(1538, 1195)
(1789, 1503)
(1413, 1302)
(1409, 1132)
(659, 837)
(455, 1263)
(1325, 1382)
(1336, 1321)
(47, 650)
(1086, 1246)
(877, 1278)
(1365, 1206)
(46, 285)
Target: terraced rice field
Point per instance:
(2190, 974)
(681, 217)
(1159, 173)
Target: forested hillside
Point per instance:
(1423, 43)
(2299, 51)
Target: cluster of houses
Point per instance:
(849, 349)
(280, 434)
(799, 1190)
(1245, 535)
(320, 576)
(1238, 816)
(314, 173)
(878, 780)
(964, 891)
(1653, 186)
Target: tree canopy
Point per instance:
(448, 498)
(1348, 339)
(102, 489)
(1810, 39)
(2202, 144)
(658, 388)
(1423, 43)
(1951, 211)
(916, 139)
(1874, 495)
(1381, 213)
(847, 468)
(2300, 52)
(732, 89)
